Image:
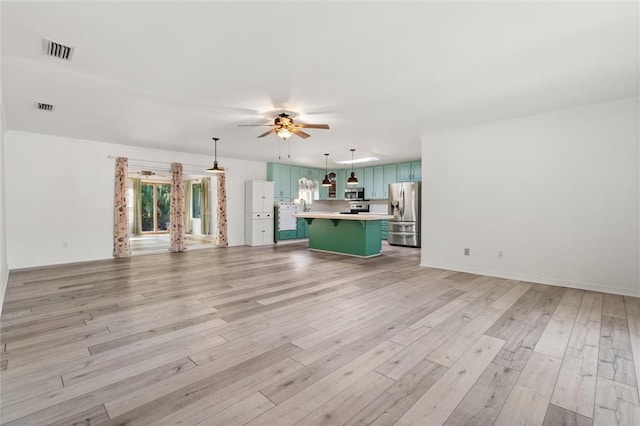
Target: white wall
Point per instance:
(60, 190)
(4, 269)
(557, 193)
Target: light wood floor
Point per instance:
(281, 335)
(150, 243)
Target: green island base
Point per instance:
(361, 238)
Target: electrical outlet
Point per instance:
(466, 252)
(64, 244)
(500, 253)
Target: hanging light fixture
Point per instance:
(284, 132)
(326, 181)
(215, 168)
(353, 180)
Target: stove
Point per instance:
(357, 207)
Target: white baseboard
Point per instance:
(4, 280)
(540, 280)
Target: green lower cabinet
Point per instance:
(302, 229)
(354, 237)
(384, 227)
(287, 235)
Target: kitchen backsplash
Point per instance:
(375, 206)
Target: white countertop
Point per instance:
(337, 215)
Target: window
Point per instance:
(196, 200)
(156, 207)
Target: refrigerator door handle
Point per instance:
(402, 206)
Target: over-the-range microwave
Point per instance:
(354, 194)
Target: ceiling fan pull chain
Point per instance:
(288, 149)
(279, 146)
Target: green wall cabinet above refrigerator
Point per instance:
(410, 172)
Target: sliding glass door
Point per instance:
(156, 207)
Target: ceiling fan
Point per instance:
(284, 127)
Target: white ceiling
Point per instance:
(171, 75)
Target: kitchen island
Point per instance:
(351, 234)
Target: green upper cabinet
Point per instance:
(294, 185)
(367, 182)
(416, 170)
(373, 182)
(379, 191)
(390, 176)
(280, 174)
(404, 172)
(375, 179)
(408, 172)
(307, 172)
(341, 183)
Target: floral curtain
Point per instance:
(205, 209)
(222, 211)
(177, 230)
(188, 194)
(121, 247)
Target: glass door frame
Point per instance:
(155, 184)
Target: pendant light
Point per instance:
(326, 181)
(215, 168)
(353, 180)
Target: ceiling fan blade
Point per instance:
(312, 126)
(267, 133)
(300, 133)
(254, 125)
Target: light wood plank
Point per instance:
(482, 404)
(615, 354)
(235, 356)
(297, 407)
(525, 324)
(437, 404)
(632, 305)
(69, 408)
(527, 403)
(414, 353)
(399, 397)
(557, 416)
(454, 347)
(225, 396)
(339, 409)
(576, 385)
(242, 412)
(555, 337)
(616, 404)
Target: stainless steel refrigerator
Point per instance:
(404, 205)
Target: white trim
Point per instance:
(539, 280)
(4, 281)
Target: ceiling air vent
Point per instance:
(44, 107)
(51, 48)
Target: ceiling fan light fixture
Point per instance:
(326, 181)
(284, 132)
(215, 168)
(352, 180)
